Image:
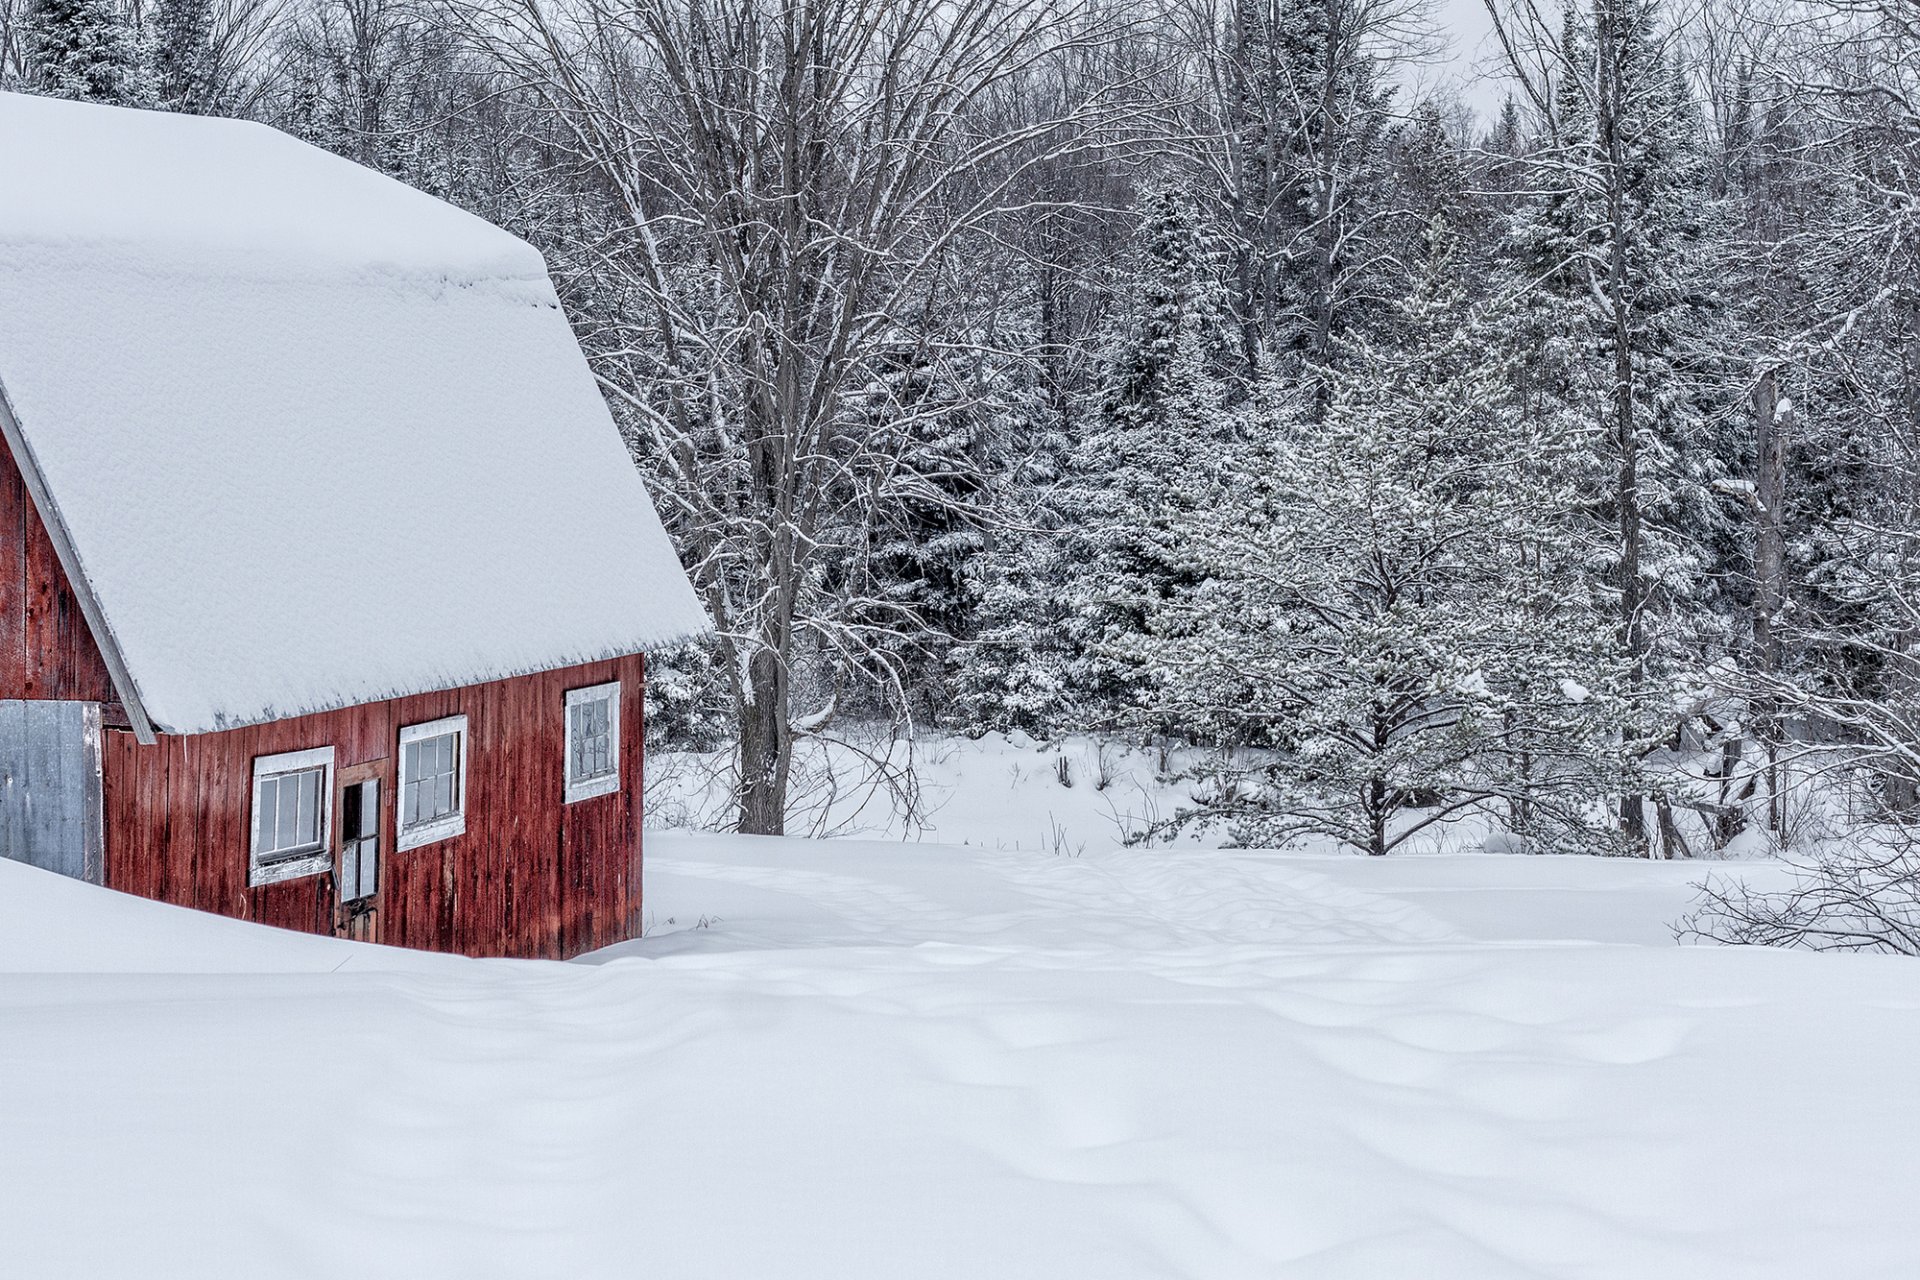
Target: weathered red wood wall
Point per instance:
(532, 876)
(46, 651)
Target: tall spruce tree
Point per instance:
(1628, 330)
(1307, 117)
(1151, 455)
(183, 56)
(86, 50)
(1066, 598)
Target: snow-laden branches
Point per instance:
(787, 183)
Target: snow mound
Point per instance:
(865, 1060)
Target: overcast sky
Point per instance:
(1474, 62)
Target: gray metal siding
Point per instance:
(50, 786)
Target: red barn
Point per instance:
(324, 573)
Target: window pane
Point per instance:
(266, 821)
(430, 779)
(307, 829)
(288, 812)
(284, 836)
(590, 726)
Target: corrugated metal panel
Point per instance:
(50, 808)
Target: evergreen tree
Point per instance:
(1150, 456)
(1307, 118)
(182, 47)
(953, 426)
(1393, 613)
(1627, 329)
(86, 50)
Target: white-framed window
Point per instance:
(292, 816)
(432, 795)
(593, 741)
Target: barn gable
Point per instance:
(314, 439)
(47, 652)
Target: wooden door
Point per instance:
(359, 871)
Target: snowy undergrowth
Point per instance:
(1078, 793)
(997, 791)
(855, 1059)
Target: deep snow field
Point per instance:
(842, 1059)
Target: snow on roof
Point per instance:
(315, 438)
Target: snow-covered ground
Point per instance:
(1000, 791)
(860, 1059)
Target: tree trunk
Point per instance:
(1377, 818)
(765, 747)
(1769, 560)
(1519, 805)
(1633, 595)
(1730, 819)
(1670, 837)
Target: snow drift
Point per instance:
(850, 1060)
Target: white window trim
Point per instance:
(259, 873)
(608, 783)
(455, 823)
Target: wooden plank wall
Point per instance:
(46, 651)
(532, 876)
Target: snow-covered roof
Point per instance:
(312, 438)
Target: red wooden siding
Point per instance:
(46, 651)
(532, 876)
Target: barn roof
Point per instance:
(309, 437)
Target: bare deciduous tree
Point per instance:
(786, 178)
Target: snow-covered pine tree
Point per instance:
(1628, 329)
(1502, 155)
(1305, 122)
(1384, 607)
(87, 50)
(183, 56)
(1011, 672)
(952, 421)
(1149, 458)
